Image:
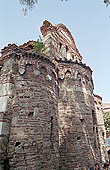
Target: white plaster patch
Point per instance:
(22, 70)
(36, 72)
(3, 128)
(3, 103)
(36, 111)
(6, 89)
(49, 78)
(19, 132)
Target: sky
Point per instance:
(88, 21)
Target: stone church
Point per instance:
(50, 118)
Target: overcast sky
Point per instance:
(88, 21)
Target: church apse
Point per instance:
(48, 118)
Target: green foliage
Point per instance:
(39, 46)
(107, 2)
(107, 121)
(28, 3)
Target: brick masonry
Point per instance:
(48, 113)
(30, 111)
(99, 127)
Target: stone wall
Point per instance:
(78, 144)
(49, 117)
(31, 120)
(78, 139)
(100, 127)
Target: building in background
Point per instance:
(106, 107)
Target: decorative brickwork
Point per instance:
(59, 42)
(48, 117)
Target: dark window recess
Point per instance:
(60, 45)
(26, 96)
(67, 48)
(95, 102)
(96, 129)
(30, 114)
(0, 67)
(95, 144)
(51, 131)
(103, 134)
(82, 120)
(17, 144)
(21, 96)
(100, 103)
(73, 56)
(78, 138)
(93, 128)
(108, 151)
(93, 117)
(51, 122)
(6, 164)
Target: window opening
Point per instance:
(82, 120)
(97, 130)
(17, 144)
(51, 131)
(93, 117)
(60, 45)
(67, 48)
(78, 138)
(51, 122)
(30, 114)
(103, 134)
